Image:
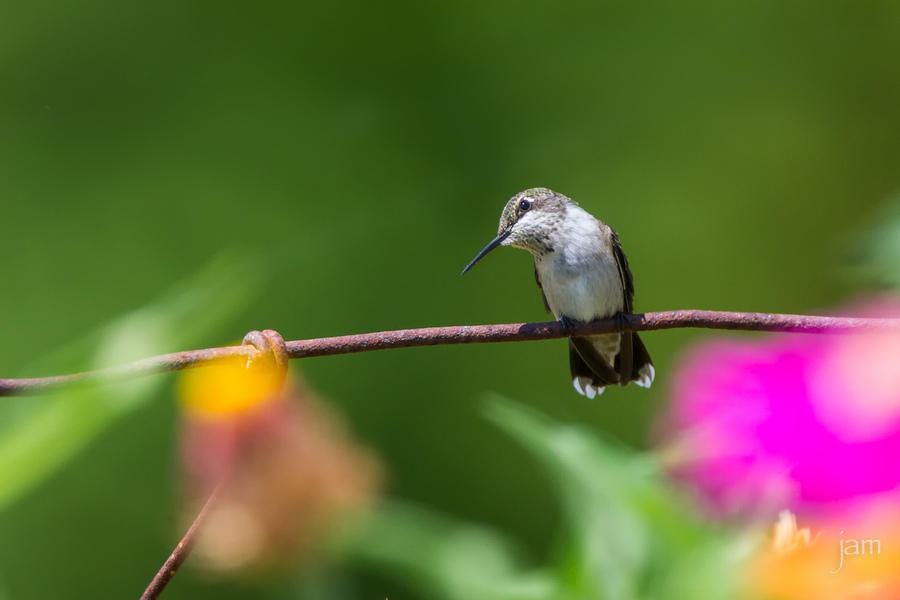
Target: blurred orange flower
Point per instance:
(858, 561)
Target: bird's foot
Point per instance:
(568, 324)
(621, 320)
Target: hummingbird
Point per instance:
(583, 275)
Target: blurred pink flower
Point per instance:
(790, 420)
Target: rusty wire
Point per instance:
(463, 334)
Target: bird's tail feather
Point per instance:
(642, 373)
(591, 373)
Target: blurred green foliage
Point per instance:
(40, 434)
(626, 534)
(873, 257)
(365, 150)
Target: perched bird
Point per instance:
(583, 275)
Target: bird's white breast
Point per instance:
(580, 277)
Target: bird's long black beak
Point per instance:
(493, 244)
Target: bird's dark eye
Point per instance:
(525, 204)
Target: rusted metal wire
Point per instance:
(465, 334)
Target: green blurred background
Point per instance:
(364, 151)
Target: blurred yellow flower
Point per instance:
(228, 387)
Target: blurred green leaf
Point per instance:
(445, 558)
(40, 433)
(601, 489)
(875, 258)
(629, 534)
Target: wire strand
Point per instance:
(465, 334)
